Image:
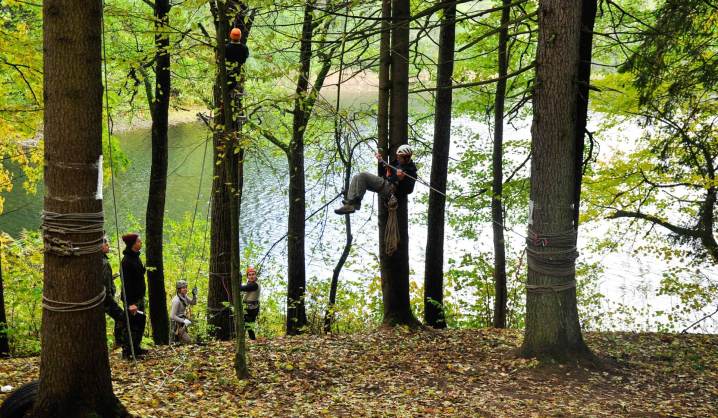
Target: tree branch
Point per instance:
(478, 83)
(685, 232)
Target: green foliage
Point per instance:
(22, 271)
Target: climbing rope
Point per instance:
(73, 306)
(391, 232)
(71, 223)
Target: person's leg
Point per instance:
(185, 335)
(361, 183)
(249, 320)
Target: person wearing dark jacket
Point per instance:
(251, 302)
(133, 293)
(112, 308)
(397, 178)
(236, 54)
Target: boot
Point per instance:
(349, 207)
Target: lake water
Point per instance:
(264, 211)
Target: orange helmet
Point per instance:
(235, 35)
(251, 270)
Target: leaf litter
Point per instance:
(449, 373)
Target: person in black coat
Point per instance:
(397, 178)
(236, 54)
(112, 308)
(133, 293)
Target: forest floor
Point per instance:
(466, 373)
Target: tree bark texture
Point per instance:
(497, 185)
(220, 284)
(4, 341)
(553, 330)
(434, 261)
(588, 19)
(384, 80)
(230, 160)
(75, 376)
(296, 275)
(154, 228)
(395, 268)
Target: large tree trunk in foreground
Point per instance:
(553, 330)
(497, 186)
(395, 268)
(75, 376)
(434, 266)
(159, 106)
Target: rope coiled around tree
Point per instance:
(72, 223)
(73, 306)
(391, 233)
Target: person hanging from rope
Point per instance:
(133, 293)
(177, 313)
(112, 308)
(398, 178)
(236, 54)
(251, 301)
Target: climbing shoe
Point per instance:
(349, 207)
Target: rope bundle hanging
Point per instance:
(72, 223)
(391, 233)
(48, 303)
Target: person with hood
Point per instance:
(398, 178)
(178, 312)
(133, 294)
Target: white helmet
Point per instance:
(404, 150)
(181, 284)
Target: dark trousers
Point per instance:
(137, 329)
(250, 317)
(114, 311)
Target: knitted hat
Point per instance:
(130, 239)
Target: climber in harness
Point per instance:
(179, 319)
(395, 178)
(251, 301)
(236, 54)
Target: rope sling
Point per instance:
(391, 233)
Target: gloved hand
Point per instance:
(187, 322)
(194, 291)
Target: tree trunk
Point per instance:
(588, 18)
(75, 376)
(159, 106)
(220, 285)
(296, 275)
(230, 159)
(434, 266)
(553, 330)
(4, 342)
(395, 268)
(384, 81)
(498, 176)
